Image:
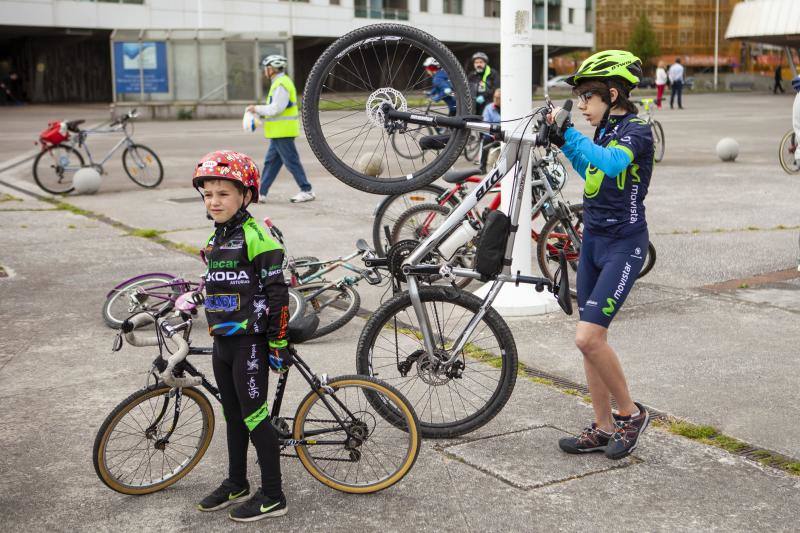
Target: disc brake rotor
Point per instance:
(377, 99)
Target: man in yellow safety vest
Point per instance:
(281, 126)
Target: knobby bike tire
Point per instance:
(400, 179)
(478, 364)
(133, 172)
(403, 419)
(297, 305)
(391, 202)
(649, 260)
(114, 321)
(39, 173)
(786, 155)
(547, 253)
(301, 265)
(659, 141)
(421, 213)
(319, 304)
(129, 404)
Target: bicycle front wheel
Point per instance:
(142, 165)
(786, 153)
(450, 400)
(149, 292)
(132, 453)
(335, 305)
(347, 93)
(659, 143)
(54, 168)
(555, 238)
(380, 450)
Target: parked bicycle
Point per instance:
(335, 302)
(61, 155)
(787, 151)
(659, 142)
(448, 350)
(355, 434)
(157, 292)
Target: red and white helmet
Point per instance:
(431, 64)
(228, 165)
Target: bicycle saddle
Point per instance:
(72, 125)
(457, 176)
(303, 328)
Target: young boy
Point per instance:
(247, 310)
(616, 165)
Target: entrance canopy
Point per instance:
(774, 22)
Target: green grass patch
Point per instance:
(192, 250)
(9, 198)
(729, 443)
(543, 381)
(23, 226)
(64, 206)
(72, 226)
(695, 231)
(571, 392)
(691, 431)
(744, 286)
(146, 233)
(753, 228)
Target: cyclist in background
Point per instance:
(441, 88)
(491, 114)
(247, 307)
(483, 80)
(616, 167)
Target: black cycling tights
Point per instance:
(241, 371)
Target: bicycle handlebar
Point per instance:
(142, 319)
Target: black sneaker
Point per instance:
(590, 440)
(626, 433)
(258, 507)
(227, 494)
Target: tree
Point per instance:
(643, 42)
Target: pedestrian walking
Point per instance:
(281, 126)
(675, 76)
(483, 80)
(778, 79)
(661, 82)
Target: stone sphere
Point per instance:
(86, 181)
(370, 164)
(727, 149)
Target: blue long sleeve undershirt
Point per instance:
(582, 152)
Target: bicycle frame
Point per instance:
(332, 265)
(522, 145)
(84, 134)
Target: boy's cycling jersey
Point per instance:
(616, 168)
(245, 289)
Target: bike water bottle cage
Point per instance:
(492, 245)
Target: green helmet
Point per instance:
(609, 64)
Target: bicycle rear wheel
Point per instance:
(297, 305)
(659, 143)
(335, 305)
(786, 153)
(132, 296)
(142, 165)
(553, 239)
(448, 401)
(472, 149)
(54, 168)
(384, 447)
(131, 453)
(343, 107)
(406, 143)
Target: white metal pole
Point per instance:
(516, 79)
(545, 51)
(716, 46)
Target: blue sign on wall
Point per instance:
(151, 57)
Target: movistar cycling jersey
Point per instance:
(245, 289)
(616, 168)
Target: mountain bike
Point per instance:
(56, 164)
(449, 351)
(355, 434)
(334, 302)
(659, 142)
(157, 292)
(786, 153)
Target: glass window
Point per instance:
(453, 7)
(491, 8)
(185, 70)
(382, 9)
(212, 72)
(571, 16)
(423, 6)
(242, 69)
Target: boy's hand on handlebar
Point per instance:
(280, 359)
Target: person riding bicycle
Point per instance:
(441, 87)
(247, 307)
(482, 80)
(616, 166)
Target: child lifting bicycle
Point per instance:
(616, 166)
(246, 306)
